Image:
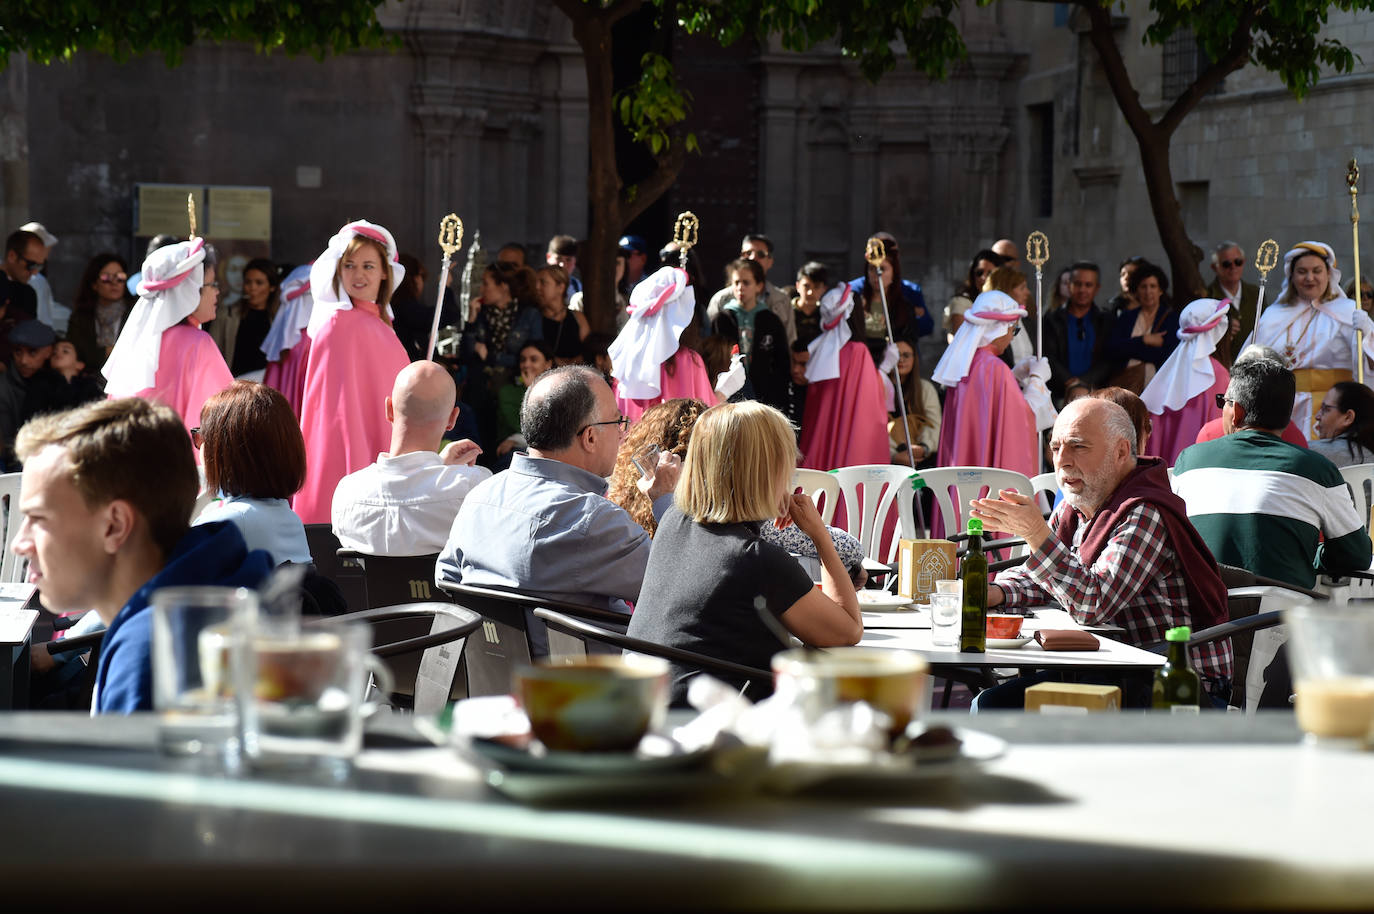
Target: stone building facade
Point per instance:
(482, 110)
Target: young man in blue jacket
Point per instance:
(107, 497)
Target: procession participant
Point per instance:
(1313, 326)
(162, 353)
(987, 421)
(845, 423)
(287, 346)
(355, 356)
(1182, 396)
(652, 359)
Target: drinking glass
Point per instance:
(945, 611)
(193, 630)
(1331, 653)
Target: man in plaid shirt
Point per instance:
(1120, 549)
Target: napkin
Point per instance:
(1066, 639)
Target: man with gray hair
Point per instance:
(1228, 263)
(545, 527)
(1215, 429)
(1119, 550)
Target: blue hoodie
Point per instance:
(209, 555)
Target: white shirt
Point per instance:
(401, 505)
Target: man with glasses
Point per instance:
(545, 526)
(759, 248)
(1228, 263)
(25, 255)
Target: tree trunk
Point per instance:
(610, 207)
(1153, 138)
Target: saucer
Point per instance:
(880, 601)
(1004, 644)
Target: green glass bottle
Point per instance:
(973, 633)
(1177, 687)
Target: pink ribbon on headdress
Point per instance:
(839, 309)
(1217, 318)
(159, 285)
(369, 232)
(1003, 316)
(664, 297)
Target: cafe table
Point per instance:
(1106, 811)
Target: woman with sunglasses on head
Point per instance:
(99, 309)
(162, 353)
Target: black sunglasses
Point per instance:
(1221, 401)
(1227, 264)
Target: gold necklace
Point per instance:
(1290, 351)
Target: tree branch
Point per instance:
(651, 188)
(577, 10)
(1127, 98)
(1235, 57)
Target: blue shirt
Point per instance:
(268, 524)
(1082, 336)
(546, 528)
(213, 555)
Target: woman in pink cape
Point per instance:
(987, 420)
(355, 356)
(162, 354)
(287, 346)
(1182, 395)
(653, 358)
(845, 423)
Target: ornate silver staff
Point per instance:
(450, 241)
(1352, 179)
(472, 270)
(685, 234)
(1038, 253)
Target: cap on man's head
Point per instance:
(33, 334)
(47, 237)
(634, 243)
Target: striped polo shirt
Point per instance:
(1278, 510)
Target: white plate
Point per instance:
(881, 601)
(1004, 644)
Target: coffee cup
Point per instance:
(598, 703)
(1331, 653)
(1003, 626)
(891, 681)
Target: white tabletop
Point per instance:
(1109, 653)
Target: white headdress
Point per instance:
(327, 299)
(1188, 371)
(1309, 247)
(167, 294)
(661, 307)
(292, 315)
(991, 315)
(825, 349)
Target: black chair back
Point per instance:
(324, 552)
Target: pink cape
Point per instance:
(987, 422)
(190, 370)
(689, 379)
(1175, 430)
(287, 374)
(845, 423)
(352, 366)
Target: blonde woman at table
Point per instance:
(710, 567)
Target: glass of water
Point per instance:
(944, 619)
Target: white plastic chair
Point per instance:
(823, 487)
(969, 483)
(866, 510)
(1046, 484)
(13, 569)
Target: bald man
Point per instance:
(1119, 549)
(405, 503)
(1008, 249)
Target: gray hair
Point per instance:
(1118, 424)
(1225, 246)
(558, 406)
(1256, 352)
(1265, 389)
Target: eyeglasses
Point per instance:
(212, 284)
(113, 277)
(1222, 400)
(195, 437)
(623, 422)
(1227, 264)
(33, 266)
(1325, 406)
